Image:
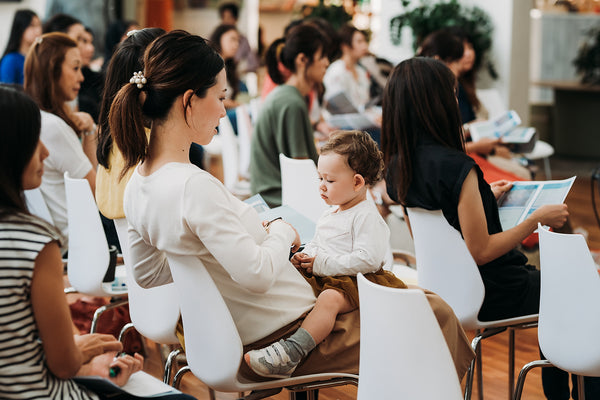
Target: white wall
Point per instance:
(7, 13)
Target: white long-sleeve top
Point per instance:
(183, 210)
(350, 241)
(339, 78)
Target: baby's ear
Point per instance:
(359, 182)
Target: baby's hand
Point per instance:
(305, 262)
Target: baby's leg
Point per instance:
(319, 322)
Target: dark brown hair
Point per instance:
(42, 72)
(304, 39)
(419, 101)
(230, 64)
(173, 63)
(126, 60)
(361, 152)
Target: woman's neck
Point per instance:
(168, 143)
(300, 83)
(24, 48)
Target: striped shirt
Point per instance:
(23, 371)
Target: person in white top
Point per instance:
(173, 207)
(349, 239)
(69, 136)
(346, 75)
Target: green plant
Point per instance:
(587, 61)
(430, 16)
(336, 15)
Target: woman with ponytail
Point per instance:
(283, 125)
(174, 207)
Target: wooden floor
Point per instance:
(495, 353)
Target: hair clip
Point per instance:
(138, 79)
(38, 40)
(132, 32)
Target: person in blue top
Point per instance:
(26, 27)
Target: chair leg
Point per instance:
(126, 328)
(523, 374)
(169, 365)
(476, 346)
(104, 308)
(179, 375)
(511, 362)
(479, 369)
(580, 387)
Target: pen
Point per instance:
(274, 219)
(114, 371)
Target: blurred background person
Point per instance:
(26, 27)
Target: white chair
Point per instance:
(230, 156)
(446, 267)
(300, 187)
(154, 311)
(213, 345)
(88, 256)
(37, 205)
(244, 127)
(569, 316)
(404, 357)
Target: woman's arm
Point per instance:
(65, 354)
(473, 224)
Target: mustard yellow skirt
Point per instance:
(346, 284)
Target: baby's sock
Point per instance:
(299, 345)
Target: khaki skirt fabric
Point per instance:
(347, 283)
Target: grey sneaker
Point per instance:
(271, 362)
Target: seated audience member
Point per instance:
(115, 34)
(349, 238)
(228, 12)
(39, 355)
(457, 54)
(52, 78)
(346, 75)
(26, 27)
(225, 40)
(173, 207)
(110, 182)
(283, 125)
(427, 167)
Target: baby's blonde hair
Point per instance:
(361, 152)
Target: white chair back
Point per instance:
(300, 187)
(244, 127)
(229, 152)
(88, 256)
(445, 265)
(155, 311)
(404, 357)
(212, 344)
(491, 100)
(569, 319)
(37, 205)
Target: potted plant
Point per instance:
(587, 61)
(431, 16)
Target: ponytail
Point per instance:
(127, 126)
(272, 59)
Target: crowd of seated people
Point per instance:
(134, 131)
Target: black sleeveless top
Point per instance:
(438, 176)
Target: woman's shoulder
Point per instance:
(29, 227)
(14, 58)
(444, 157)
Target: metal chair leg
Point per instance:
(169, 365)
(102, 309)
(523, 374)
(126, 328)
(511, 362)
(479, 368)
(580, 387)
(179, 375)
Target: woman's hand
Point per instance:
(122, 366)
(84, 121)
(502, 151)
(95, 344)
(296, 243)
(500, 187)
(553, 215)
(483, 146)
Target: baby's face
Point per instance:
(337, 180)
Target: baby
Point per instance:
(350, 238)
